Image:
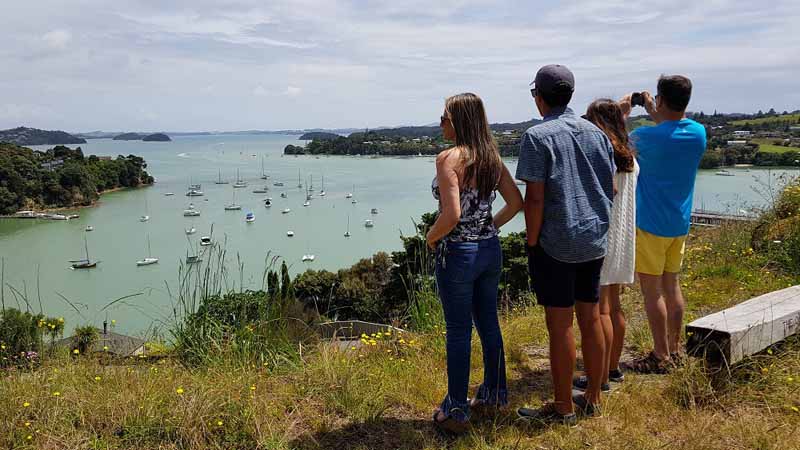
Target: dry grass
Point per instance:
(380, 396)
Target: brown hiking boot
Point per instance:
(649, 364)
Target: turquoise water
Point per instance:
(398, 187)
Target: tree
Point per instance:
(286, 281)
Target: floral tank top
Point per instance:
(476, 222)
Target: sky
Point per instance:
(192, 65)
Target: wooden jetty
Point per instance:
(715, 219)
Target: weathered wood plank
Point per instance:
(746, 328)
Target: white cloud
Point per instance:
(339, 63)
(57, 39)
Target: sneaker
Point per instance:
(585, 408)
(616, 376)
(547, 415)
(582, 382)
(649, 364)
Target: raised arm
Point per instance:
(508, 189)
(449, 196)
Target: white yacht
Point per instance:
(192, 230)
(307, 203)
(286, 211)
(308, 258)
(239, 182)
(205, 241)
(250, 217)
(368, 223)
(89, 228)
(290, 233)
(149, 259)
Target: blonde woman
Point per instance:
(469, 258)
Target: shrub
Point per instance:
(22, 336)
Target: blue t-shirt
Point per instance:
(669, 155)
(575, 160)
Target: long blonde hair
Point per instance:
(479, 150)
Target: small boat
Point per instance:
(354, 201)
(262, 190)
(194, 193)
(290, 233)
(286, 211)
(277, 184)
(89, 228)
(349, 195)
(283, 195)
(264, 176)
(233, 206)
(169, 194)
(268, 202)
(347, 233)
(308, 258)
(193, 259)
(205, 241)
(57, 217)
(322, 191)
(374, 211)
(724, 173)
(191, 212)
(85, 263)
(311, 185)
(239, 182)
(192, 230)
(250, 217)
(299, 180)
(307, 203)
(219, 178)
(144, 218)
(149, 260)
(368, 223)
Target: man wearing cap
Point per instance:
(568, 165)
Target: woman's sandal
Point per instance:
(449, 424)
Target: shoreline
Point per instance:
(63, 209)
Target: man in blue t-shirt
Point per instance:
(669, 154)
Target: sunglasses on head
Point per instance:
(533, 92)
(442, 119)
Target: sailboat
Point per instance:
(368, 223)
(268, 202)
(308, 258)
(264, 176)
(299, 180)
(84, 263)
(219, 179)
(290, 233)
(347, 233)
(239, 182)
(233, 206)
(89, 228)
(145, 217)
(322, 191)
(192, 230)
(350, 194)
(311, 185)
(149, 259)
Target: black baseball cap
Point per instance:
(553, 79)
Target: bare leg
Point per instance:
(618, 322)
(593, 347)
(608, 328)
(656, 310)
(562, 355)
(675, 307)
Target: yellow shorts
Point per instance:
(656, 255)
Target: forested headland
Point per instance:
(62, 177)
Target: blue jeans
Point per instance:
(467, 275)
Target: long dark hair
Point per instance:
(607, 115)
(480, 156)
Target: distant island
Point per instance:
(62, 177)
(762, 139)
(318, 135)
(404, 141)
(155, 137)
(34, 136)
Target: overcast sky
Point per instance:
(152, 65)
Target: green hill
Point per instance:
(35, 136)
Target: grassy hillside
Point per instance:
(793, 118)
(766, 145)
(379, 394)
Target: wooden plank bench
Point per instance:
(747, 328)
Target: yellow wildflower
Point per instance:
(219, 423)
(60, 320)
(3, 347)
(76, 351)
(96, 378)
(179, 391)
(253, 387)
(764, 370)
(26, 404)
(105, 348)
(29, 437)
(769, 351)
(113, 321)
(56, 394)
(353, 347)
(790, 379)
(794, 408)
(27, 424)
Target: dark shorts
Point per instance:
(561, 284)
